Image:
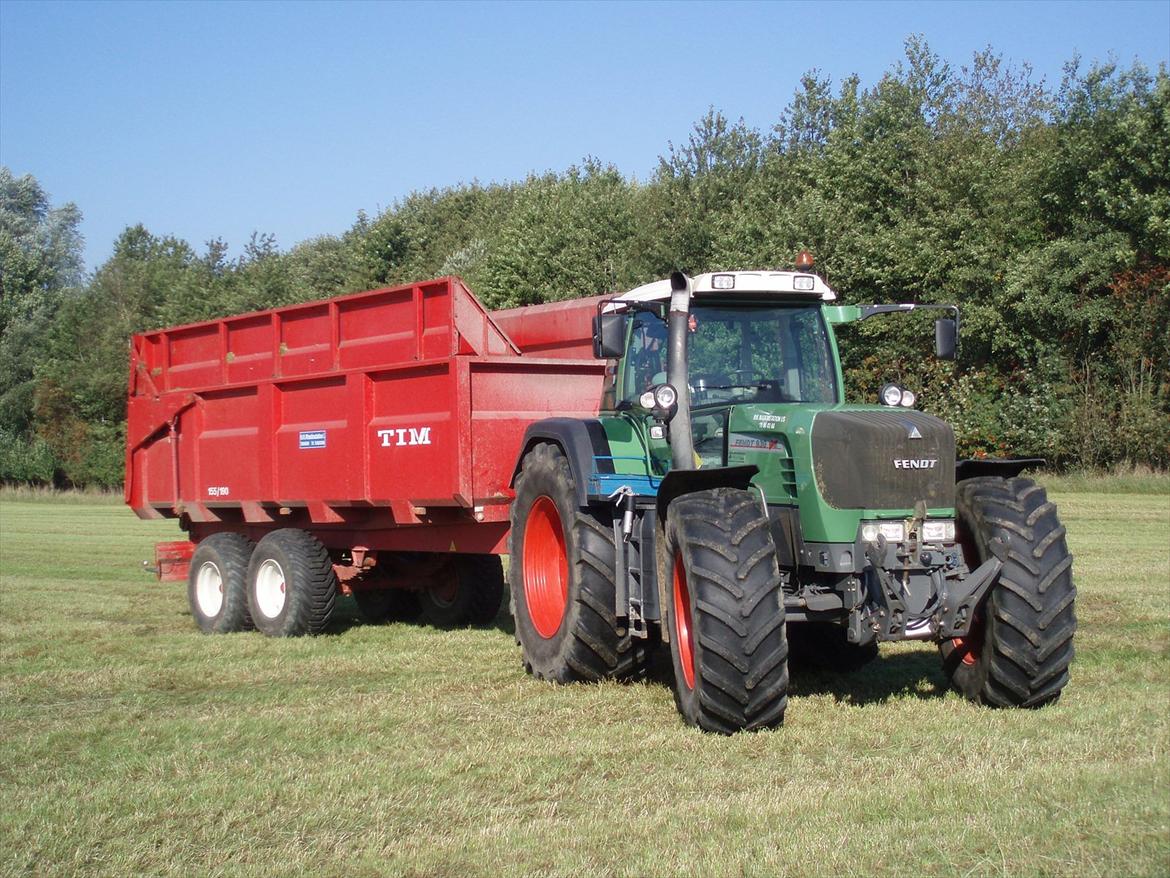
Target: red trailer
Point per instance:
(369, 438)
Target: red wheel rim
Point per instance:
(682, 622)
(546, 567)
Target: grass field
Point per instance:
(130, 744)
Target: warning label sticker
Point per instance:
(312, 439)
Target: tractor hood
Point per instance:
(882, 458)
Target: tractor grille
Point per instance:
(868, 460)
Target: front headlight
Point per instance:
(665, 396)
(646, 400)
(891, 394)
(938, 531)
(893, 531)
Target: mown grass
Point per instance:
(131, 744)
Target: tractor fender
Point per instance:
(686, 481)
(990, 466)
(580, 440)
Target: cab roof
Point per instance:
(735, 283)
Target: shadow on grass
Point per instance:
(916, 674)
(900, 675)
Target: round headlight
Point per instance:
(665, 396)
(891, 394)
(646, 400)
(869, 533)
(908, 398)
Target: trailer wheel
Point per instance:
(469, 594)
(378, 605)
(217, 584)
(291, 584)
(725, 612)
(561, 579)
(1020, 647)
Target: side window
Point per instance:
(646, 356)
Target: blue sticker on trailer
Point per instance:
(313, 439)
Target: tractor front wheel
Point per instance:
(725, 612)
(1018, 651)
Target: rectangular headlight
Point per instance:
(894, 531)
(938, 531)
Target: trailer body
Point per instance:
(389, 419)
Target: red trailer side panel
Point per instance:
(362, 413)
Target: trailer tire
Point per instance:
(217, 584)
(291, 584)
(471, 593)
(1021, 644)
(824, 645)
(728, 642)
(561, 579)
(378, 605)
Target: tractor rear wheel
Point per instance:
(562, 579)
(725, 612)
(469, 592)
(291, 584)
(1018, 651)
(217, 584)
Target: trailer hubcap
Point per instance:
(546, 567)
(209, 590)
(682, 622)
(270, 589)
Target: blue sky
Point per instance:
(217, 119)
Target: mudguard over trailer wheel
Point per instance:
(726, 614)
(1020, 646)
(470, 595)
(291, 584)
(217, 584)
(562, 579)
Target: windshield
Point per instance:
(738, 354)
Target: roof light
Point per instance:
(723, 282)
(804, 283)
(804, 261)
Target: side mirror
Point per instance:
(609, 336)
(946, 338)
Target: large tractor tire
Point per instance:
(725, 612)
(291, 584)
(1020, 645)
(470, 592)
(562, 579)
(823, 645)
(217, 584)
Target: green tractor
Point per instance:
(727, 500)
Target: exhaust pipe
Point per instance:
(682, 444)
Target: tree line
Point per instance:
(1042, 210)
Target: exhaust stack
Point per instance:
(682, 446)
